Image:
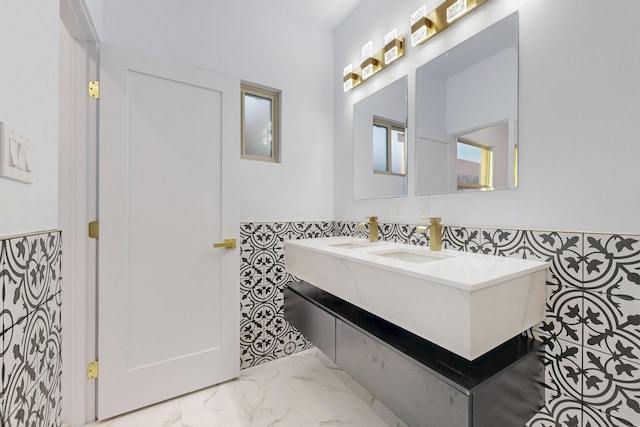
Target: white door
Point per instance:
(168, 317)
(436, 156)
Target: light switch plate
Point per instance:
(16, 161)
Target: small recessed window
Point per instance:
(474, 165)
(389, 147)
(260, 123)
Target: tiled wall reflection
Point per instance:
(31, 368)
(591, 334)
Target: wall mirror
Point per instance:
(379, 143)
(467, 114)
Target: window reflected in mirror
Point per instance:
(474, 165)
(483, 160)
(380, 165)
(389, 147)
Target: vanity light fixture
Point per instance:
(419, 25)
(350, 79)
(393, 47)
(425, 24)
(372, 63)
(456, 10)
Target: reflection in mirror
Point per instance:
(481, 162)
(467, 114)
(389, 150)
(379, 143)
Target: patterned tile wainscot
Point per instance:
(591, 333)
(264, 333)
(31, 371)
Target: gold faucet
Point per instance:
(373, 228)
(435, 233)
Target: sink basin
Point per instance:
(349, 245)
(408, 256)
(464, 302)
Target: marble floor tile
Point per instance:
(304, 389)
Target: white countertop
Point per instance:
(462, 270)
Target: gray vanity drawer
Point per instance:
(317, 325)
(420, 382)
(411, 392)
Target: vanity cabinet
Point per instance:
(316, 323)
(421, 383)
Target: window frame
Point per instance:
(486, 167)
(391, 125)
(274, 97)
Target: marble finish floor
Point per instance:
(302, 390)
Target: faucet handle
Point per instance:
(372, 218)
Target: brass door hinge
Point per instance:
(94, 229)
(92, 370)
(94, 89)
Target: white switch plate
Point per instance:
(16, 161)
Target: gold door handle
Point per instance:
(227, 244)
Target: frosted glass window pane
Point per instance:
(398, 152)
(380, 154)
(258, 126)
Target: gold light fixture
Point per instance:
(393, 47)
(426, 24)
(370, 64)
(373, 62)
(350, 79)
(420, 25)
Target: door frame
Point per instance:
(77, 205)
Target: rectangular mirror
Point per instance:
(467, 114)
(379, 143)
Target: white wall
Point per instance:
(29, 101)
(253, 41)
(579, 100)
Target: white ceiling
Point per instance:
(323, 14)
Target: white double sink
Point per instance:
(467, 303)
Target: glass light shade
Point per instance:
(347, 84)
(456, 10)
(367, 51)
(391, 36)
(367, 72)
(393, 53)
(420, 34)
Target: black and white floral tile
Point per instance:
(31, 365)
(264, 333)
(591, 333)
